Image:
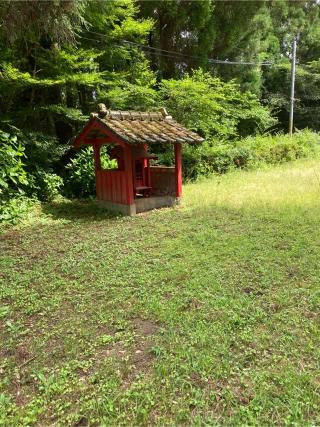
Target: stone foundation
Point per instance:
(147, 203)
(142, 204)
(118, 207)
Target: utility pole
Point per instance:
(293, 75)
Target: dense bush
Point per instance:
(13, 209)
(42, 157)
(214, 157)
(281, 148)
(25, 173)
(80, 179)
(44, 186)
(13, 178)
(206, 159)
(80, 175)
(42, 151)
(12, 168)
(132, 97)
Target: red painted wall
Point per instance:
(112, 186)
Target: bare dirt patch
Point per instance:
(145, 327)
(134, 359)
(142, 355)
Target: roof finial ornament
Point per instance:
(102, 110)
(165, 113)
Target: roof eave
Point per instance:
(121, 137)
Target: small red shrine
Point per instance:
(135, 185)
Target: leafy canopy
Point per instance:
(214, 108)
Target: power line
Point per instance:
(213, 61)
(122, 46)
(174, 54)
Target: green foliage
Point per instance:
(242, 31)
(133, 90)
(41, 151)
(307, 94)
(12, 173)
(46, 86)
(280, 148)
(43, 185)
(200, 30)
(14, 209)
(205, 160)
(80, 173)
(66, 114)
(214, 108)
(29, 20)
(252, 152)
(132, 97)
(13, 179)
(24, 161)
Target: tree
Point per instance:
(46, 84)
(289, 20)
(214, 108)
(184, 27)
(69, 57)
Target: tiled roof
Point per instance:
(137, 127)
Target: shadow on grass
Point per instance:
(77, 210)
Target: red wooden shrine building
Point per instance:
(135, 186)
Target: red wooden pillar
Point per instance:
(129, 173)
(97, 167)
(146, 167)
(178, 168)
(148, 173)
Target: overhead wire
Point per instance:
(118, 45)
(174, 54)
(211, 60)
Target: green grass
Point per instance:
(207, 314)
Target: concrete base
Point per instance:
(148, 203)
(118, 207)
(142, 204)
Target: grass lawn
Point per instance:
(207, 314)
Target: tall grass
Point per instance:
(275, 188)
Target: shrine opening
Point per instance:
(135, 185)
